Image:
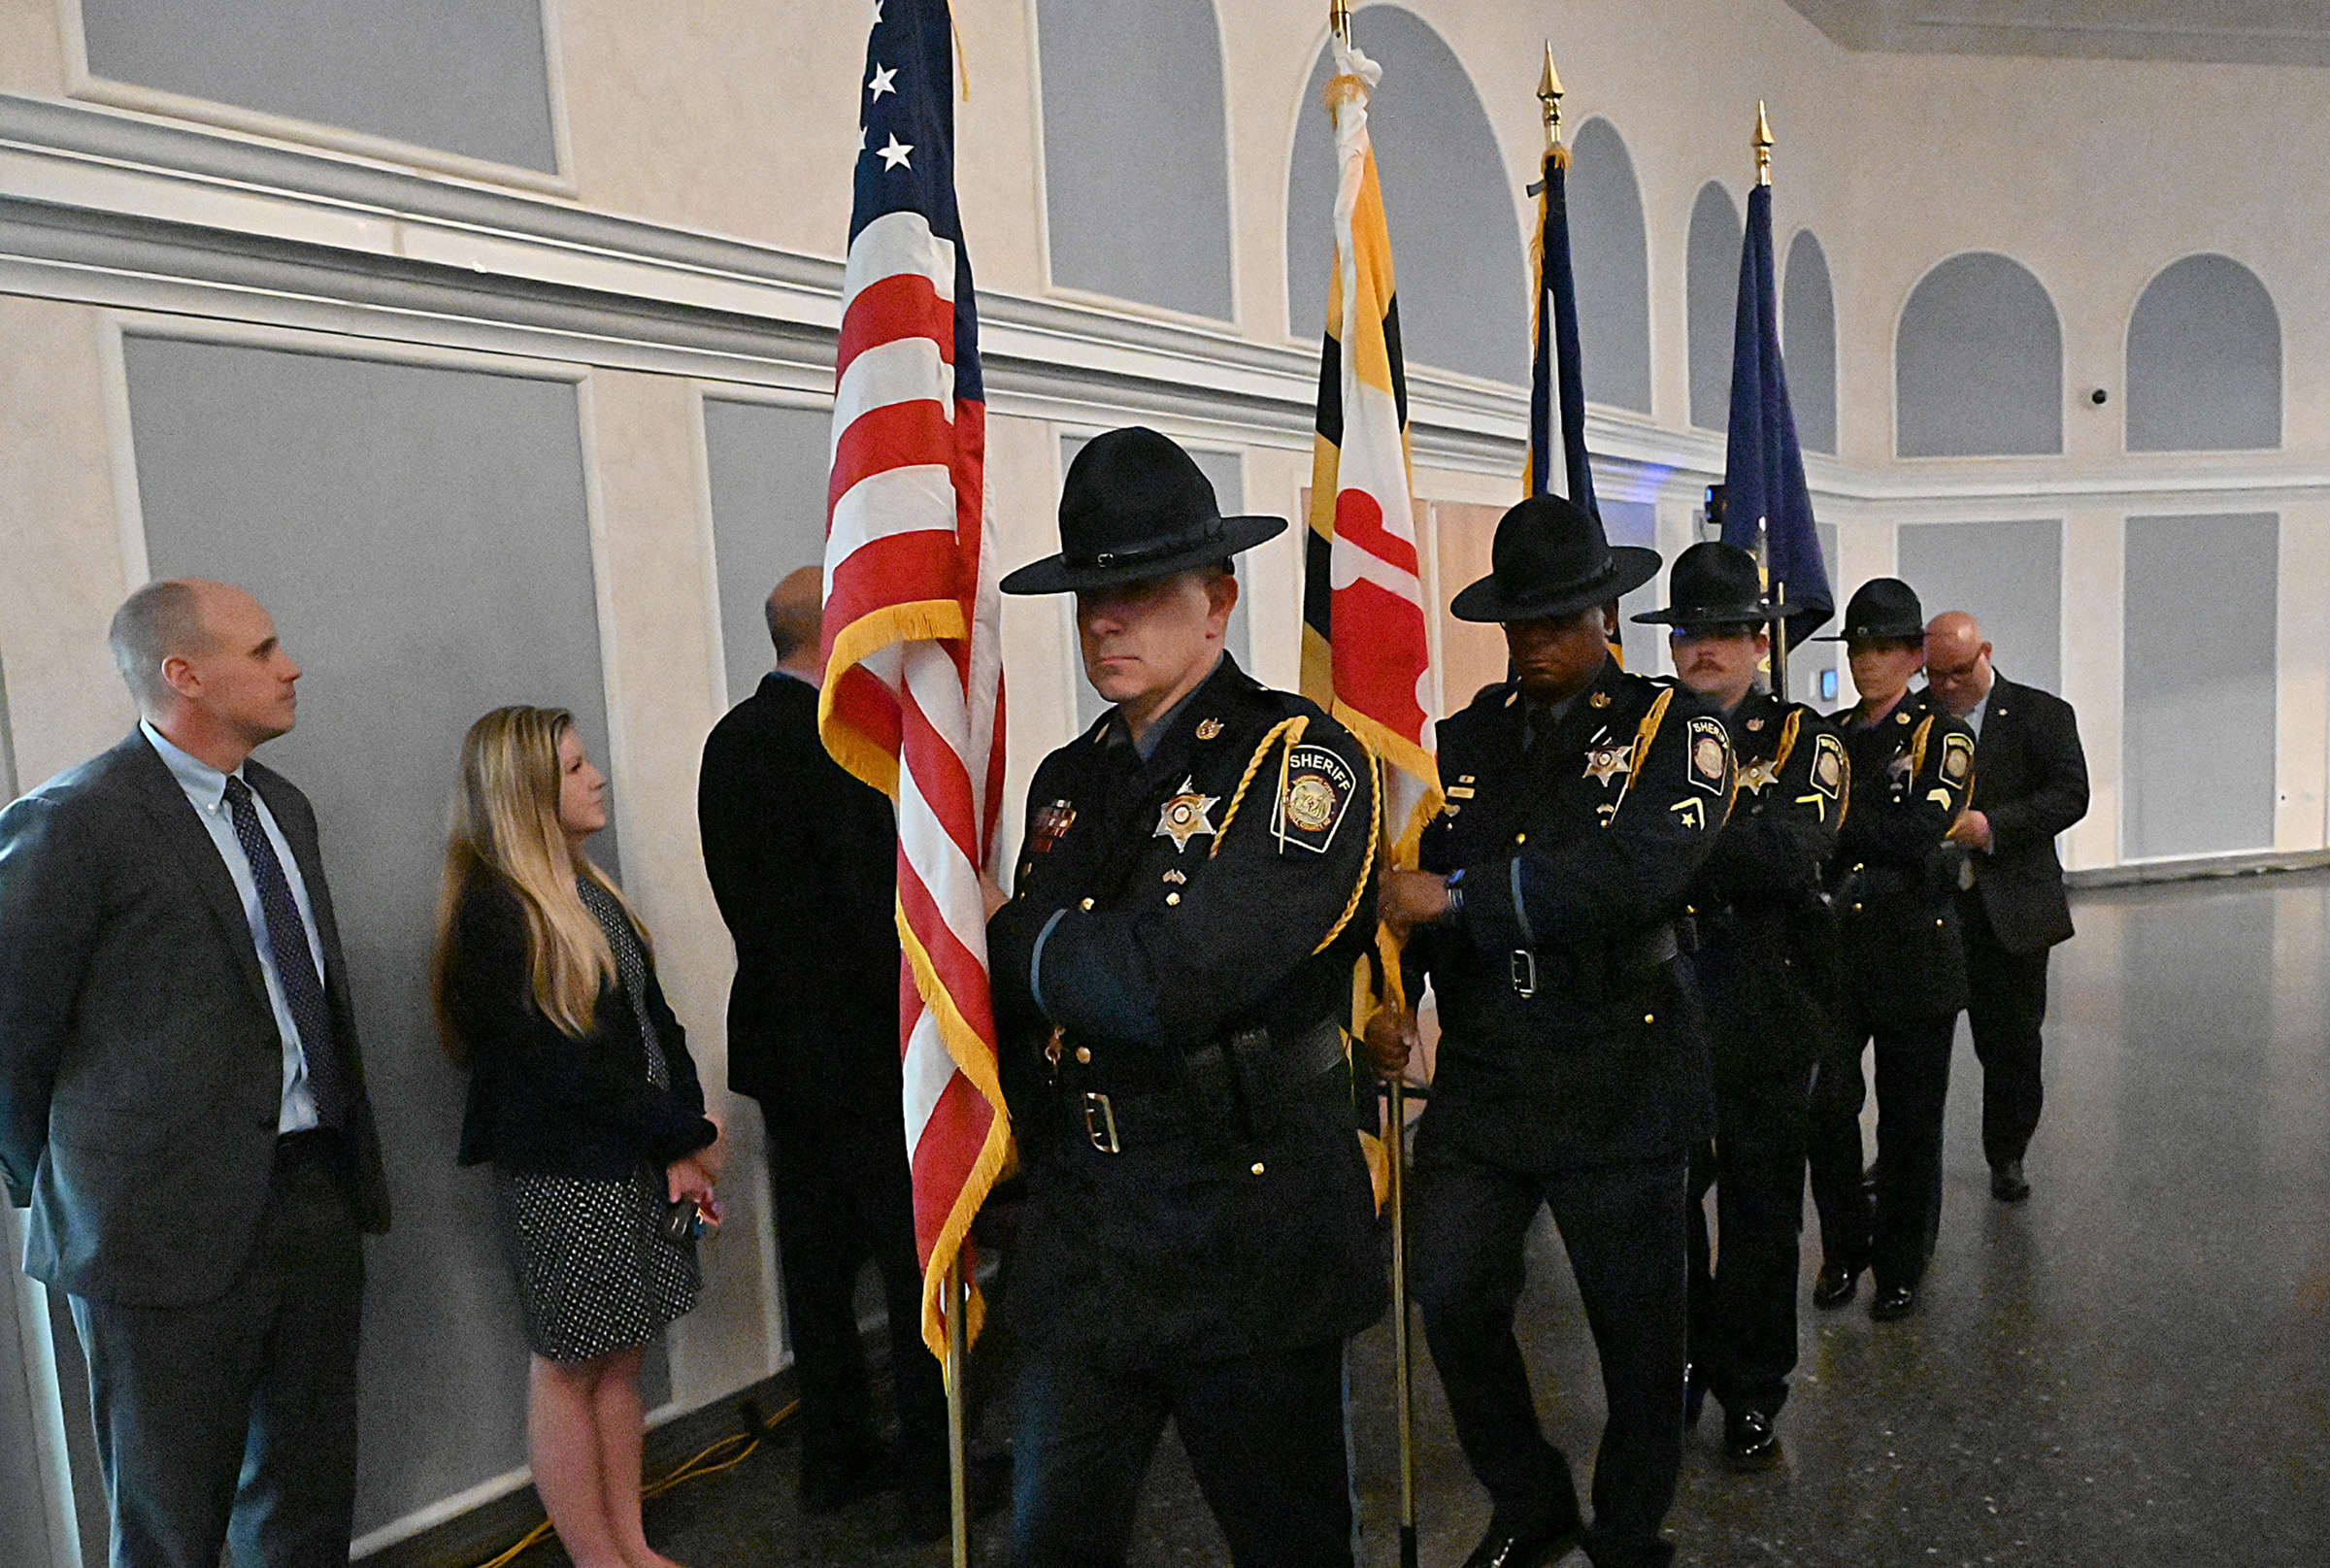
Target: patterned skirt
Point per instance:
(594, 1271)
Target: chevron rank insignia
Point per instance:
(1318, 794)
(1710, 754)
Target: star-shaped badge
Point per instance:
(1756, 774)
(1185, 817)
(1606, 762)
(895, 156)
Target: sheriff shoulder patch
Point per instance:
(1828, 765)
(1318, 793)
(1710, 755)
(1958, 757)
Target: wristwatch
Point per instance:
(1455, 891)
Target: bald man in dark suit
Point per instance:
(181, 1101)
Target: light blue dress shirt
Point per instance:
(206, 788)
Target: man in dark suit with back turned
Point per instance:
(804, 862)
(182, 1103)
(2032, 785)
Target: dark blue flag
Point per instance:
(1557, 457)
(1763, 468)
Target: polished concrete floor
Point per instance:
(2132, 1367)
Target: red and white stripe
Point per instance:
(914, 698)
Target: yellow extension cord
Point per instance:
(730, 1455)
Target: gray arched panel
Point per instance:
(1808, 334)
(1610, 257)
(1136, 162)
(1455, 233)
(1711, 288)
(2205, 360)
(1977, 364)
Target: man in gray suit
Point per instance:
(182, 1103)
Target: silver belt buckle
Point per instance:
(1524, 972)
(1101, 1131)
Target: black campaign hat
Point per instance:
(1884, 606)
(1550, 558)
(1135, 507)
(1713, 585)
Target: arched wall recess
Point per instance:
(1712, 295)
(1610, 255)
(2204, 360)
(1808, 334)
(1978, 363)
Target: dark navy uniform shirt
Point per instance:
(1220, 885)
(1894, 882)
(1567, 1037)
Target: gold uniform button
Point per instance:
(1520, 838)
(1083, 1054)
(1937, 926)
(1856, 909)
(1086, 904)
(1649, 1018)
(1172, 898)
(1257, 1167)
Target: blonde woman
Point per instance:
(583, 1096)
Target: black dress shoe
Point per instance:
(1503, 1548)
(1834, 1286)
(1892, 1301)
(1750, 1441)
(2006, 1184)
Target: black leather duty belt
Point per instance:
(1599, 968)
(1109, 1120)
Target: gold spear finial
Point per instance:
(1548, 93)
(1763, 146)
(1339, 19)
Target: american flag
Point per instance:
(914, 677)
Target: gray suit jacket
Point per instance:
(141, 1071)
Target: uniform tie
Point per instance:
(294, 961)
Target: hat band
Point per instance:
(1110, 559)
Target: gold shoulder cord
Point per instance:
(1787, 741)
(1291, 732)
(1844, 786)
(1918, 749)
(1644, 734)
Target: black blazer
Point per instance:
(2032, 784)
(542, 1101)
(141, 1070)
(804, 862)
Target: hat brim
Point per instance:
(1873, 634)
(1721, 614)
(1055, 574)
(1486, 601)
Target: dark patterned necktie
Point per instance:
(294, 960)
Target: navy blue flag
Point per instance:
(1763, 468)
(1557, 457)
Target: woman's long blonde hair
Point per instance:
(506, 827)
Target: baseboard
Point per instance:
(2199, 867)
(491, 1528)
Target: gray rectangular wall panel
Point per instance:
(2197, 757)
(2009, 576)
(422, 538)
(768, 468)
(463, 76)
(1632, 523)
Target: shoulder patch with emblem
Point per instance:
(1316, 797)
(1710, 754)
(1828, 765)
(1958, 757)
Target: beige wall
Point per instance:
(736, 118)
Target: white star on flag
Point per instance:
(895, 156)
(877, 13)
(881, 81)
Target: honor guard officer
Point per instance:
(1765, 961)
(1573, 1069)
(1894, 890)
(1195, 888)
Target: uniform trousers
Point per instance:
(844, 1197)
(2005, 1005)
(1622, 1225)
(1264, 1434)
(1743, 1309)
(235, 1419)
(1891, 1231)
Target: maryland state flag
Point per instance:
(1365, 655)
